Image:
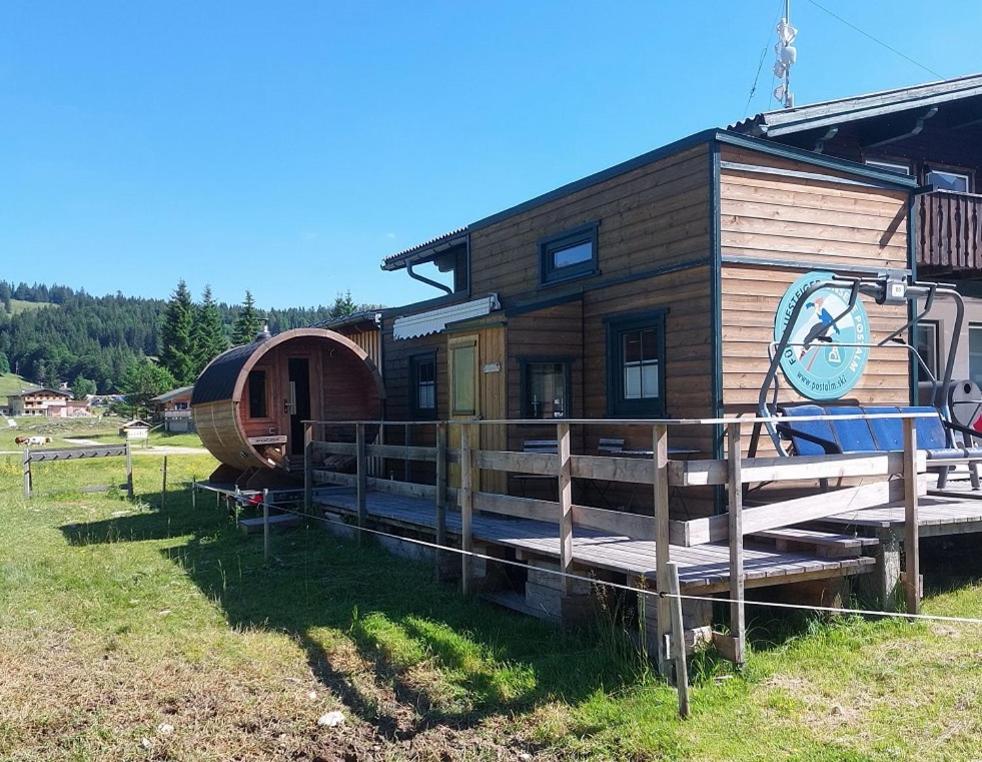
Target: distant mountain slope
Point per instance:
(54, 333)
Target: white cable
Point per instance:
(644, 591)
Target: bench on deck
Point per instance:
(855, 435)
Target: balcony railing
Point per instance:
(948, 231)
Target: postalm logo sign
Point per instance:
(817, 361)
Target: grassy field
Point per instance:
(19, 305)
(131, 632)
(104, 430)
(11, 383)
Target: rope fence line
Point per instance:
(642, 590)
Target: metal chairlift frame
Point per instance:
(877, 288)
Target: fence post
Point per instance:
(441, 495)
(194, 492)
(565, 504)
(163, 487)
(659, 447)
(266, 526)
(129, 470)
(308, 484)
(466, 500)
(912, 564)
(678, 640)
(734, 459)
(361, 481)
(28, 479)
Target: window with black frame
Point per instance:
(257, 394)
(545, 388)
(422, 385)
(636, 365)
(570, 254)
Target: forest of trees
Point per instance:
(67, 335)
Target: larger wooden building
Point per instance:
(646, 290)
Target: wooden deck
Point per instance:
(702, 568)
(949, 513)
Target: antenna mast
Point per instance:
(787, 55)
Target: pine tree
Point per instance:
(344, 305)
(4, 363)
(208, 336)
(177, 351)
(248, 323)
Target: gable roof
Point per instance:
(173, 393)
(829, 113)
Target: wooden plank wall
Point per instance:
(649, 217)
(823, 225)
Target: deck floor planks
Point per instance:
(936, 514)
(699, 566)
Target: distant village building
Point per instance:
(174, 408)
(52, 403)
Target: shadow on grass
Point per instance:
(401, 651)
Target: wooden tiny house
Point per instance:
(648, 290)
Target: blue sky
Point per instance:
(287, 147)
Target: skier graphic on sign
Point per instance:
(820, 328)
(825, 355)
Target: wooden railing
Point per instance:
(895, 478)
(948, 231)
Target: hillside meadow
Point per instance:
(133, 632)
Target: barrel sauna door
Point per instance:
(476, 384)
(298, 400)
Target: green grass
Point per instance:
(104, 430)
(19, 305)
(116, 617)
(11, 383)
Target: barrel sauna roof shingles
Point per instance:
(217, 381)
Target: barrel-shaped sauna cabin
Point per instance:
(250, 403)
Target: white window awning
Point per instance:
(434, 321)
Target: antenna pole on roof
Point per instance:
(787, 54)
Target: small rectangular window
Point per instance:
(422, 385)
(257, 394)
(889, 166)
(463, 362)
(546, 387)
(949, 181)
(926, 343)
(572, 254)
(636, 365)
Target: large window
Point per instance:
(422, 385)
(572, 254)
(926, 342)
(636, 365)
(545, 388)
(257, 394)
(975, 352)
(463, 377)
(943, 179)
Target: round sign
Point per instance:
(822, 361)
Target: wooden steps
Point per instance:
(249, 526)
(828, 544)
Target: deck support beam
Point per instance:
(441, 498)
(308, 466)
(912, 566)
(466, 499)
(659, 446)
(361, 480)
(738, 625)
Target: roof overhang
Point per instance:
(436, 321)
(426, 251)
(830, 113)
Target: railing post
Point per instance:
(912, 565)
(565, 504)
(659, 446)
(735, 488)
(28, 478)
(441, 495)
(266, 525)
(163, 485)
(129, 470)
(678, 640)
(466, 499)
(361, 481)
(308, 467)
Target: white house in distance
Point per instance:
(48, 402)
(175, 408)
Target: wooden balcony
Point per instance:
(948, 233)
